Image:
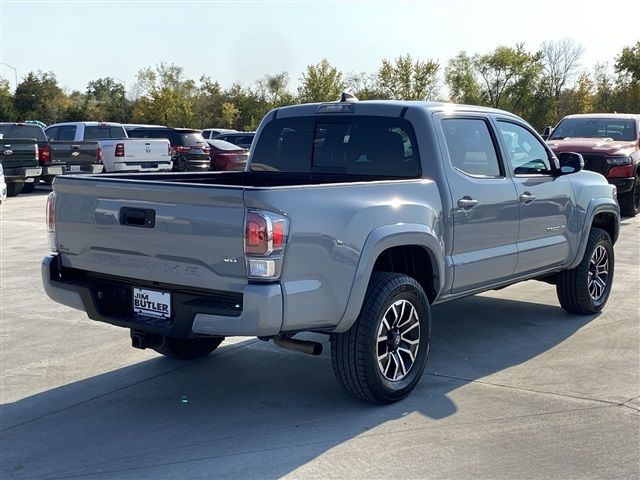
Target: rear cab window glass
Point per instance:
(358, 145)
(526, 154)
(471, 147)
(97, 133)
(23, 131)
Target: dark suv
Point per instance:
(189, 150)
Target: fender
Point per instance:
(379, 240)
(596, 206)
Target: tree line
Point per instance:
(541, 86)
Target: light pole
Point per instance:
(15, 72)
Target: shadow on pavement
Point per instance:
(254, 411)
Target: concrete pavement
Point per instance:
(514, 388)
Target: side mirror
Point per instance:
(570, 162)
(547, 132)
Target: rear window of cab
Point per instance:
(358, 145)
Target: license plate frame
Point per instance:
(151, 303)
(74, 168)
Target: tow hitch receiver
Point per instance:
(144, 340)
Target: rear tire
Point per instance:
(188, 348)
(584, 290)
(630, 201)
(14, 188)
(381, 358)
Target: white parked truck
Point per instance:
(119, 152)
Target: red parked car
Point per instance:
(227, 156)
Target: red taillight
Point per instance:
(99, 154)
(265, 233)
(120, 150)
(278, 235)
(264, 244)
(182, 149)
(257, 236)
(621, 171)
(44, 153)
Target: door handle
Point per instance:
(467, 202)
(527, 198)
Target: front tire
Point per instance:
(630, 201)
(584, 290)
(381, 358)
(188, 348)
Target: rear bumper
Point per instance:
(185, 164)
(13, 174)
(255, 312)
(623, 185)
(53, 170)
(142, 166)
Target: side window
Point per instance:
(471, 148)
(525, 153)
(52, 133)
(67, 133)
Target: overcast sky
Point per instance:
(242, 40)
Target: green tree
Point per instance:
(229, 114)
(365, 86)
(166, 96)
(406, 79)
(604, 89)
(7, 112)
(508, 76)
(108, 97)
(38, 97)
(273, 90)
(628, 62)
(461, 78)
(321, 83)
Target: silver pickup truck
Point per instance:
(351, 219)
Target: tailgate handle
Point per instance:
(75, 147)
(138, 217)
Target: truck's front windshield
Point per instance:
(614, 128)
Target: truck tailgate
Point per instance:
(140, 150)
(191, 235)
(18, 152)
(74, 153)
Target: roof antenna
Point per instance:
(348, 97)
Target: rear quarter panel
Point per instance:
(329, 227)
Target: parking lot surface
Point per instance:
(514, 388)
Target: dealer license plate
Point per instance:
(151, 302)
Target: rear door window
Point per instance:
(471, 147)
(67, 133)
(358, 145)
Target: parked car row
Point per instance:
(32, 153)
